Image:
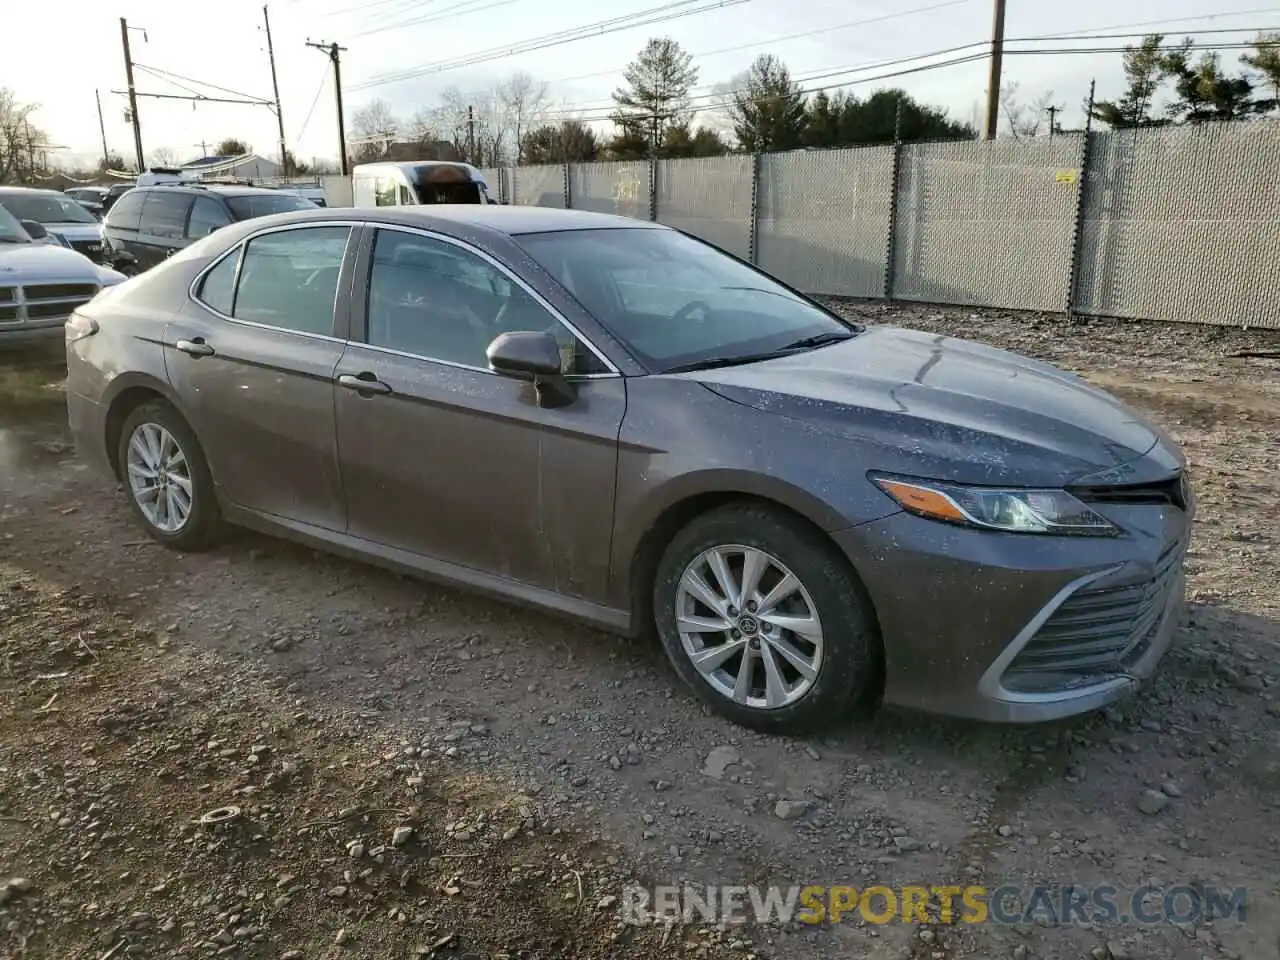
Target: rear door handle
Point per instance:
(365, 383)
(196, 347)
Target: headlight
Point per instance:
(1010, 510)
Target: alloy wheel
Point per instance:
(749, 626)
(159, 477)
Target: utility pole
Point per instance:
(334, 51)
(133, 93)
(1053, 119)
(993, 81)
(102, 128)
(471, 135)
(275, 88)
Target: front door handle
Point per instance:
(195, 348)
(365, 383)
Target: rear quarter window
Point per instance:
(165, 214)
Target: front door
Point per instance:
(445, 459)
(253, 365)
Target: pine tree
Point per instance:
(768, 109)
(657, 91)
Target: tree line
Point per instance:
(654, 114)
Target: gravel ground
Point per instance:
(540, 765)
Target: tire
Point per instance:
(845, 671)
(202, 526)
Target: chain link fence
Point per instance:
(1183, 224)
(824, 219)
(1174, 223)
(987, 223)
(709, 198)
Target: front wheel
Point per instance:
(167, 477)
(765, 620)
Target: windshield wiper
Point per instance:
(796, 346)
(13, 240)
(819, 340)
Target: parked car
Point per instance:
(149, 224)
(610, 419)
(58, 214)
(390, 184)
(88, 197)
(41, 283)
(114, 193)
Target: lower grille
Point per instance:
(1097, 632)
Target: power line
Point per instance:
(448, 13)
(601, 103)
(791, 36)
(324, 78)
(725, 100)
(173, 77)
(674, 10)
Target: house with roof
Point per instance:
(250, 166)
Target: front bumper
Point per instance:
(31, 331)
(1010, 628)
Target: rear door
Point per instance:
(253, 362)
(164, 222)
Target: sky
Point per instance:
(225, 44)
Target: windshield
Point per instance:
(10, 229)
(466, 192)
(45, 208)
(249, 206)
(678, 303)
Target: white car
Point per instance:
(59, 214)
(41, 283)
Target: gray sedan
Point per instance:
(609, 419)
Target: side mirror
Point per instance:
(531, 355)
(35, 231)
(524, 354)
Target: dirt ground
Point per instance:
(394, 769)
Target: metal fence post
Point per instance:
(753, 242)
(568, 186)
(653, 188)
(895, 185)
(1077, 235)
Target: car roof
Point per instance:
(456, 218)
(223, 189)
(47, 192)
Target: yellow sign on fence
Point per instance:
(1065, 176)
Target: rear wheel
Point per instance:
(167, 478)
(763, 617)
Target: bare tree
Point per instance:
(520, 103)
(1024, 119)
(372, 128)
(164, 157)
(19, 139)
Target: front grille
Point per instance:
(1171, 490)
(90, 248)
(59, 291)
(1097, 632)
(43, 301)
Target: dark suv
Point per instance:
(152, 223)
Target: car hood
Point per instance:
(76, 231)
(980, 414)
(39, 262)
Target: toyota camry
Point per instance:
(610, 419)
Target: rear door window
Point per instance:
(289, 279)
(207, 215)
(165, 214)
